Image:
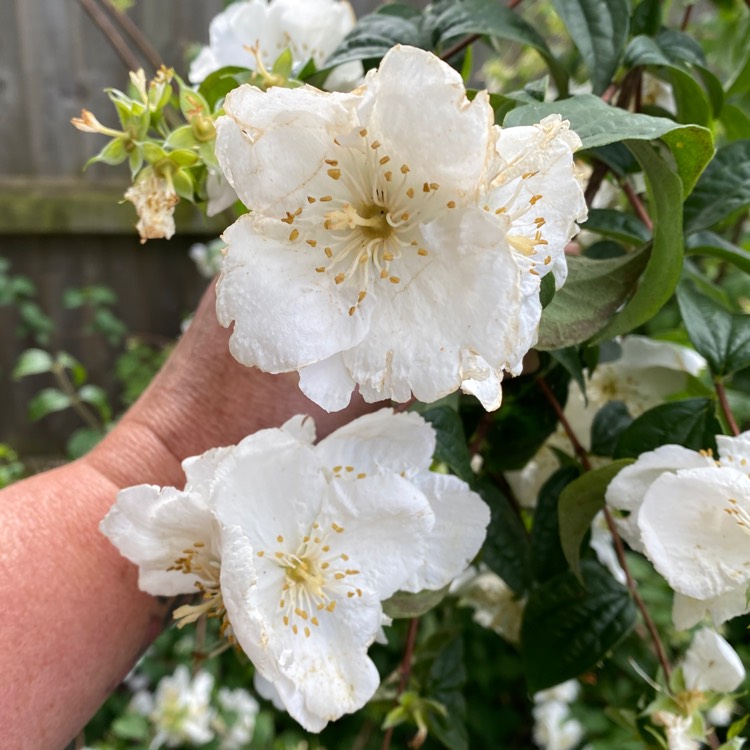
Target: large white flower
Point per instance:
(296, 545)
(690, 514)
(310, 29)
(397, 237)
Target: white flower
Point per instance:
(554, 729)
(207, 257)
(712, 664)
(679, 730)
(495, 604)
(181, 711)
(243, 709)
(295, 546)
(154, 200)
(310, 29)
(564, 692)
(690, 514)
(397, 237)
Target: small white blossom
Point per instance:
(373, 258)
(180, 709)
(310, 29)
(243, 709)
(712, 664)
(154, 199)
(679, 730)
(554, 729)
(690, 514)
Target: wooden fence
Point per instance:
(64, 228)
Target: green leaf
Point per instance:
(609, 423)
(547, 557)
(721, 336)
(599, 28)
(131, 726)
(579, 502)
(646, 18)
(710, 243)
(192, 103)
(489, 18)
(181, 138)
(375, 34)
(97, 397)
(506, 550)
(735, 120)
(82, 441)
(451, 445)
(665, 262)
(617, 225)
(722, 189)
(567, 628)
(595, 289)
(32, 362)
(47, 401)
(113, 153)
(444, 684)
(598, 124)
(406, 605)
(691, 423)
(570, 359)
(218, 84)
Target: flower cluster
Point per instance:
(396, 242)
(295, 546)
(689, 512)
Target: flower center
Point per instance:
(197, 561)
(739, 514)
(316, 577)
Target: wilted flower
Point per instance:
(690, 514)
(373, 256)
(296, 545)
(154, 199)
(180, 709)
(253, 30)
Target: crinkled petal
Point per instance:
(301, 427)
(626, 491)
(694, 528)
(290, 127)
(383, 441)
(278, 304)
(408, 126)
(712, 664)
(461, 519)
(152, 526)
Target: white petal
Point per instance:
(690, 534)
(735, 451)
(461, 519)
(626, 491)
(408, 126)
(381, 441)
(260, 490)
(278, 303)
(712, 664)
(327, 383)
(687, 611)
(642, 352)
(301, 427)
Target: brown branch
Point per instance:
(113, 35)
(725, 409)
(582, 456)
(405, 672)
(637, 204)
(686, 18)
(595, 182)
(136, 35)
(460, 46)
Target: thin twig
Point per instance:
(595, 182)
(80, 408)
(582, 456)
(460, 46)
(637, 205)
(405, 672)
(686, 18)
(136, 35)
(113, 35)
(725, 410)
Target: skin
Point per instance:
(73, 619)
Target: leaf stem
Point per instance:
(725, 408)
(582, 456)
(80, 408)
(405, 672)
